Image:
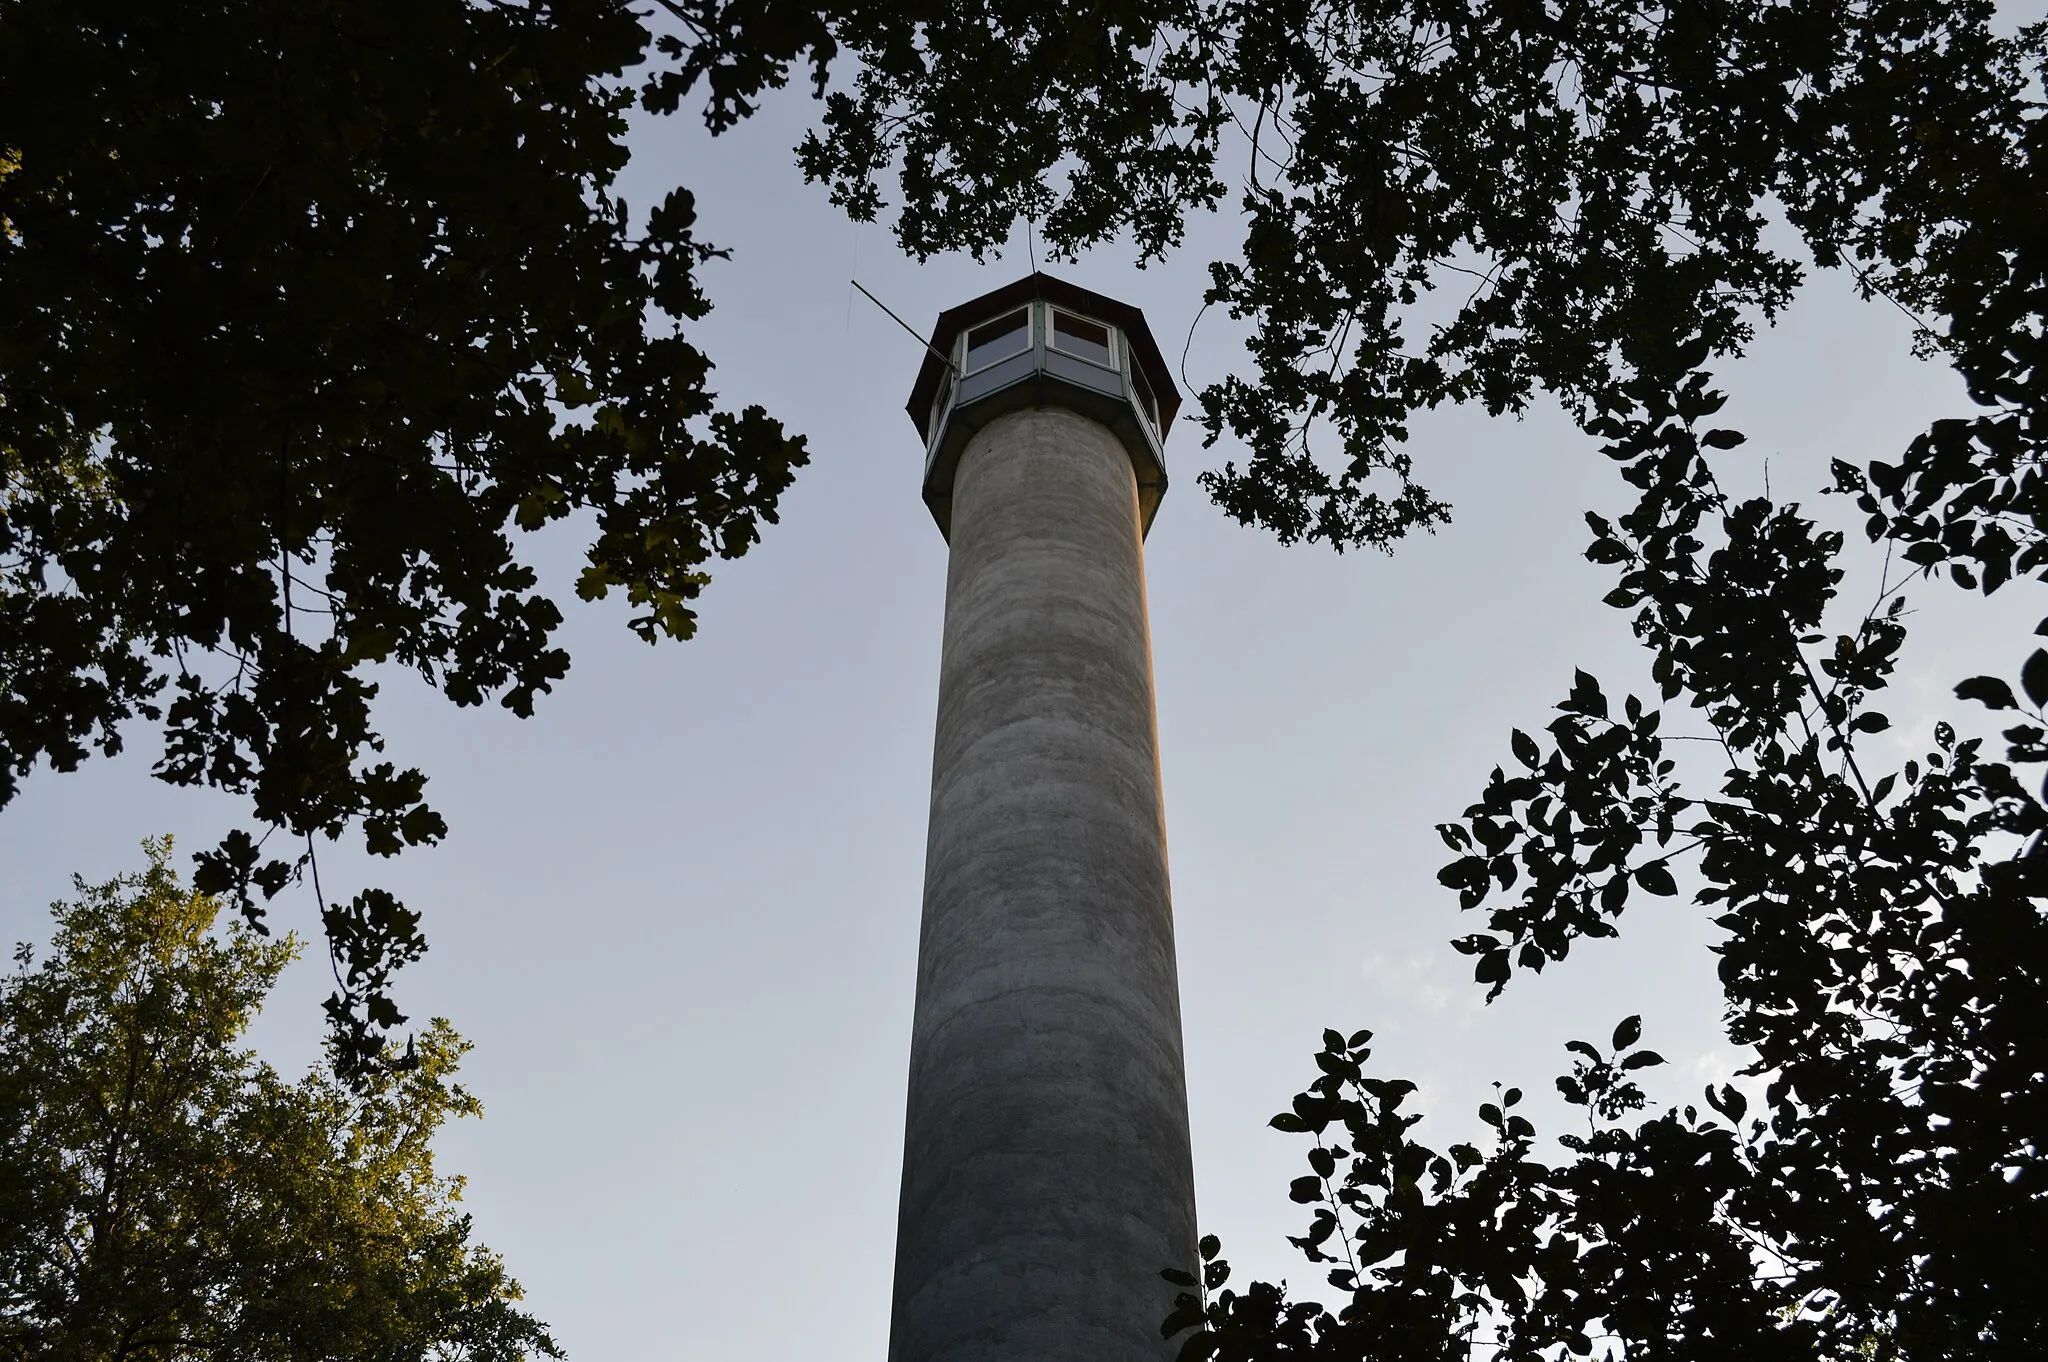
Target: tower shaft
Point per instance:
(1046, 1175)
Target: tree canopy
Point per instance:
(167, 1197)
(306, 315)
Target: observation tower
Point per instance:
(1046, 1170)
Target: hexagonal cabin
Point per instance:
(1042, 341)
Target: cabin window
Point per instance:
(1147, 403)
(997, 340)
(939, 402)
(1082, 338)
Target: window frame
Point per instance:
(1052, 336)
(942, 404)
(1142, 395)
(967, 367)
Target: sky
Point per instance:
(677, 911)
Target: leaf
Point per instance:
(2034, 678)
(1870, 721)
(1526, 750)
(1467, 872)
(1990, 691)
(1312, 1110)
(1177, 1276)
(1729, 1102)
(1655, 877)
(1586, 697)
(1628, 1033)
(1209, 1247)
(1723, 439)
(1642, 1059)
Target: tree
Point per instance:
(165, 1195)
(1600, 184)
(306, 314)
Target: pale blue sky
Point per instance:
(678, 909)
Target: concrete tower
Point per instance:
(1046, 1174)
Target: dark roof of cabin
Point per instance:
(954, 320)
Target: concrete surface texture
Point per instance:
(1046, 1170)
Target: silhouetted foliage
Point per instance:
(307, 313)
(167, 1197)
